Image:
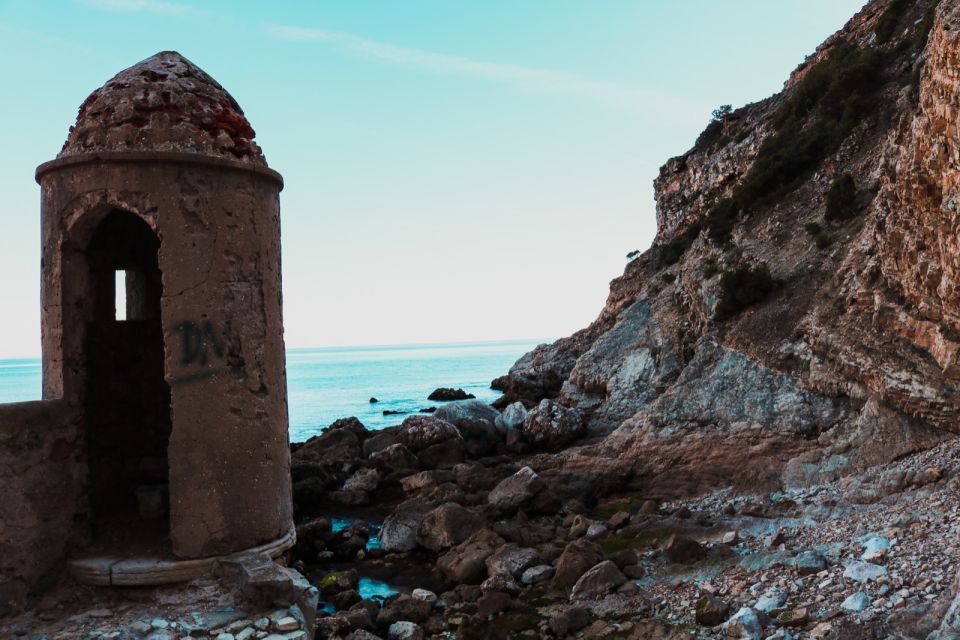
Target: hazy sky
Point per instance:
(455, 170)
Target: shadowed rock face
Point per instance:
(165, 103)
(853, 358)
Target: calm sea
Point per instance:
(335, 382)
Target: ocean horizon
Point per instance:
(327, 383)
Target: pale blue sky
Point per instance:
(455, 170)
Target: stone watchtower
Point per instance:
(162, 324)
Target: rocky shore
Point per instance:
(511, 525)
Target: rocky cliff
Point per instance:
(797, 318)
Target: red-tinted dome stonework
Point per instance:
(165, 103)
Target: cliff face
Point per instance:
(798, 317)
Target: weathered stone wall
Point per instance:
(42, 475)
(218, 223)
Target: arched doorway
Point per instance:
(127, 400)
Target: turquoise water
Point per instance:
(335, 382)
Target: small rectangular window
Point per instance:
(120, 304)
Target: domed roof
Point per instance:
(165, 103)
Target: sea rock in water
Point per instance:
(551, 425)
(447, 394)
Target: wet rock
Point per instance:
(447, 525)
(711, 610)
(514, 491)
(511, 560)
(551, 425)
(445, 394)
(597, 582)
(681, 549)
(425, 595)
(577, 557)
(399, 531)
(466, 562)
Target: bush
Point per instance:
(812, 228)
(741, 288)
(671, 252)
(833, 97)
(888, 22)
(842, 199)
(709, 269)
(713, 135)
(820, 238)
(668, 277)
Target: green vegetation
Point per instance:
(644, 540)
(713, 135)
(888, 22)
(668, 277)
(842, 199)
(709, 269)
(820, 237)
(741, 288)
(671, 252)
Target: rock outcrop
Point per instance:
(798, 316)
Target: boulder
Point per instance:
(681, 549)
(537, 575)
(597, 582)
(576, 559)
(466, 562)
(333, 445)
(404, 608)
(420, 432)
(568, 622)
(511, 420)
(467, 411)
(395, 457)
(475, 421)
(515, 490)
(551, 425)
(511, 560)
(809, 562)
(399, 531)
(362, 480)
(446, 394)
(857, 602)
(443, 455)
(711, 610)
(447, 525)
(863, 571)
(405, 630)
(379, 442)
(744, 624)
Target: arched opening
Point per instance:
(127, 400)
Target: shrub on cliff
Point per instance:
(741, 288)
(842, 199)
